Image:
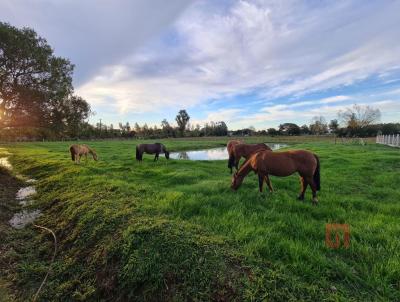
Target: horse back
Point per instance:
(247, 150)
(151, 148)
(286, 163)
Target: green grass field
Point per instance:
(173, 230)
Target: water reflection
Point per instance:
(211, 154)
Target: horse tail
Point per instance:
(317, 177)
(231, 161)
(137, 153)
(71, 149)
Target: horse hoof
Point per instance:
(300, 197)
(315, 201)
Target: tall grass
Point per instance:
(173, 230)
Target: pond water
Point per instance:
(211, 154)
(5, 163)
(23, 218)
(24, 195)
(25, 192)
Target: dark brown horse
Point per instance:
(156, 149)
(237, 151)
(283, 164)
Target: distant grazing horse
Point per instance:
(78, 150)
(156, 149)
(283, 164)
(237, 151)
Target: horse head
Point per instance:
(94, 154)
(236, 181)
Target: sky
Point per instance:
(248, 63)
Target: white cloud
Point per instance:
(155, 55)
(278, 114)
(227, 115)
(328, 100)
(282, 48)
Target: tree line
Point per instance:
(165, 130)
(355, 121)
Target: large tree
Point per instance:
(334, 126)
(182, 119)
(358, 117)
(35, 85)
(318, 125)
(289, 129)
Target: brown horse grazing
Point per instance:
(78, 150)
(283, 164)
(156, 149)
(229, 147)
(243, 150)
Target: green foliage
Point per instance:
(182, 119)
(35, 85)
(289, 129)
(173, 230)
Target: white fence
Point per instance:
(390, 140)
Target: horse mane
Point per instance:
(245, 168)
(162, 147)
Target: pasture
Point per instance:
(174, 230)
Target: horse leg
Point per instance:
(156, 157)
(310, 180)
(268, 181)
(260, 182)
(237, 160)
(304, 185)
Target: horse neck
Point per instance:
(91, 151)
(245, 169)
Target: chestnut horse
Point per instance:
(78, 150)
(156, 149)
(243, 150)
(229, 148)
(283, 164)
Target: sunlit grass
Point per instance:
(174, 228)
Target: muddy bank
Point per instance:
(9, 186)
